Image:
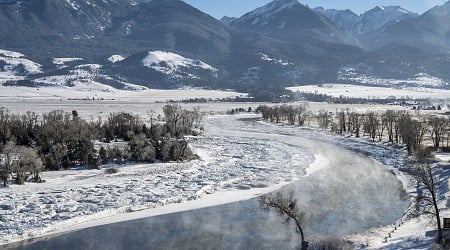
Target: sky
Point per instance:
(236, 8)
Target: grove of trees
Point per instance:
(31, 143)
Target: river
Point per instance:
(352, 194)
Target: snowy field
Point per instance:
(419, 80)
(100, 91)
(359, 91)
(145, 107)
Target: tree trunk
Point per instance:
(438, 218)
(20, 179)
(302, 235)
(305, 245)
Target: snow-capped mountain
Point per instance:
(430, 31)
(380, 16)
(291, 21)
(370, 21)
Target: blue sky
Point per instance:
(219, 8)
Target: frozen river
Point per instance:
(353, 193)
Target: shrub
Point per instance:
(330, 243)
(112, 171)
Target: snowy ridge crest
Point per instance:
(372, 20)
(439, 10)
(271, 8)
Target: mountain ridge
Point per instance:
(168, 43)
(372, 20)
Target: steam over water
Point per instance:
(352, 195)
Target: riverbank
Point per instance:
(412, 230)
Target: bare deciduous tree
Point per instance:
(23, 162)
(411, 132)
(390, 119)
(438, 127)
(5, 169)
(302, 114)
(355, 120)
(371, 124)
(29, 163)
(287, 208)
(324, 119)
(426, 178)
(341, 117)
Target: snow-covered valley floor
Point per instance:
(239, 160)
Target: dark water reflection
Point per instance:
(232, 226)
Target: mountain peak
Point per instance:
(378, 17)
(439, 10)
(378, 8)
(388, 9)
(273, 7)
(228, 20)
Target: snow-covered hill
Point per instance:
(352, 75)
(175, 66)
(15, 66)
(169, 63)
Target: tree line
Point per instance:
(395, 126)
(31, 143)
